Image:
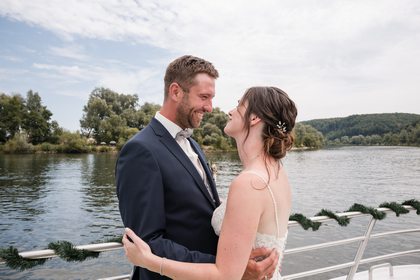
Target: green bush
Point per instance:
(18, 145)
(48, 147)
(103, 149)
(73, 143)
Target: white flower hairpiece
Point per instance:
(282, 126)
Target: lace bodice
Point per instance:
(261, 239)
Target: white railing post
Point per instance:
(361, 249)
(372, 268)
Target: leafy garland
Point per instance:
(64, 249)
(68, 252)
(342, 221)
(304, 221)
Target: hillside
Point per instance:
(366, 125)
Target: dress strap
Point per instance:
(272, 197)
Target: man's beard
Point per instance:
(186, 117)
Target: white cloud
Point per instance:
(326, 54)
(72, 52)
(7, 74)
(73, 71)
(122, 80)
(11, 58)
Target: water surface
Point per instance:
(45, 198)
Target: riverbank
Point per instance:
(47, 148)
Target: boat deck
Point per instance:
(382, 272)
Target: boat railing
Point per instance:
(353, 265)
(364, 239)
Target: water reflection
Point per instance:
(22, 182)
(99, 196)
(98, 181)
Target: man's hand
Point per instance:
(261, 264)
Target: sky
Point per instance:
(334, 58)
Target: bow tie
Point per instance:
(185, 133)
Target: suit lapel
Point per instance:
(206, 167)
(169, 142)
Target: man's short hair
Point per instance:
(184, 69)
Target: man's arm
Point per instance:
(141, 202)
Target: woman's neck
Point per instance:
(251, 149)
(251, 153)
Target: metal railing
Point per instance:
(102, 247)
(361, 249)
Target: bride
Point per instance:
(258, 205)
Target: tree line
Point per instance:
(370, 129)
(109, 119)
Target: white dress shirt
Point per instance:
(185, 146)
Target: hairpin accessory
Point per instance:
(282, 126)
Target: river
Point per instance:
(45, 198)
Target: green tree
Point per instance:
(56, 132)
(94, 113)
(146, 113)
(73, 142)
(18, 145)
(11, 115)
(357, 140)
(211, 131)
(404, 138)
(108, 115)
(36, 121)
(111, 128)
(308, 136)
(217, 117)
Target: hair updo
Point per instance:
(278, 112)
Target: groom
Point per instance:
(165, 188)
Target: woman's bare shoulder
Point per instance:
(248, 182)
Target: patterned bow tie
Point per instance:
(185, 133)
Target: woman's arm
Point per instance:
(243, 211)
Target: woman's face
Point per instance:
(236, 124)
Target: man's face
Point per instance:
(196, 102)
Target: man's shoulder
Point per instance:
(145, 137)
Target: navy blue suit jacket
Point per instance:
(163, 198)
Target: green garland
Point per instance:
(15, 261)
(413, 203)
(396, 207)
(64, 249)
(68, 252)
(342, 221)
(305, 222)
(377, 215)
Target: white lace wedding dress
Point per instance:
(262, 239)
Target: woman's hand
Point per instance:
(137, 251)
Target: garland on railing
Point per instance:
(342, 221)
(68, 252)
(413, 203)
(396, 207)
(15, 261)
(378, 215)
(305, 222)
(64, 249)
